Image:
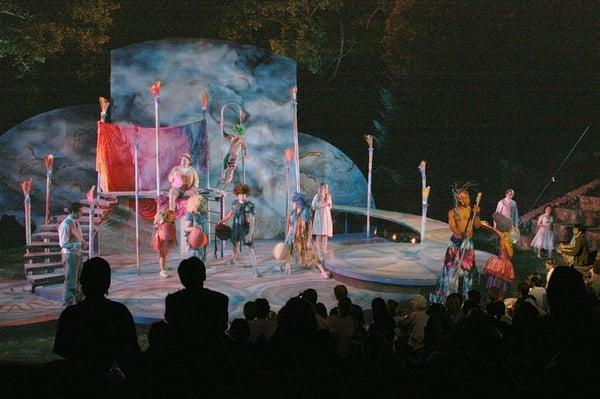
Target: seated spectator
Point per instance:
(453, 305)
(97, 331)
(158, 338)
(249, 310)
(524, 296)
(415, 320)
(195, 314)
(239, 332)
(538, 291)
(340, 291)
(297, 344)
(391, 307)
(440, 330)
(342, 327)
(261, 327)
(574, 330)
(382, 322)
(310, 296)
(321, 310)
(593, 279)
(475, 296)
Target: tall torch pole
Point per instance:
(289, 155)
(26, 186)
(369, 139)
(204, 105)
(294, 92)
(424, 196)
(155, 90)
(48, 162)
(137, 198)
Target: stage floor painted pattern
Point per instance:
(377, 264)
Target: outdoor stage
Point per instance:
(375, 268)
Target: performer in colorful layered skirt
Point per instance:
(459, 261)
(499, 270)
(196, 218)
(242, 227)
(322, 223)
(165, 234)
(182, 178)
(298, 237)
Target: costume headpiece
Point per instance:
(299, 199)
(188, 156)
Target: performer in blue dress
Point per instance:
(243, 223)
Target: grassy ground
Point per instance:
(11, 263)
(34, 343)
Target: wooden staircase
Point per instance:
(43, 259)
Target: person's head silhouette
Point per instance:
(192, 272)
(95, 277)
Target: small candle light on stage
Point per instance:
(413, 240)
(375, 232)
(394, 237)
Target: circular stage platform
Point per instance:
(369, 269)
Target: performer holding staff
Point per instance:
(322, 224)
(196, 226)
(459, 261)
(242, 227)
(297, 241)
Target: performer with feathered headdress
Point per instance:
(459, 262)
(298, 237)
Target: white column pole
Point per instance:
(294, 92)
(137, 203)
(157, 147)
(369, 192)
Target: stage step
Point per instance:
(104, 202)
(31, 255)
(40, 246)
(58, 219)
(37, 280)
(33, 269)
(85, 211)
(52, 236)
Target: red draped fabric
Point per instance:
(148, 207)
(114, 157)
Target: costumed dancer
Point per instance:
(70, 239)
(237, 142)
(544, 236)
(499, 269)
(322, 224)
(165, 234)
(298, 237)
(243, 224)
(196, 222)
(182, 178)
(459, 261)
